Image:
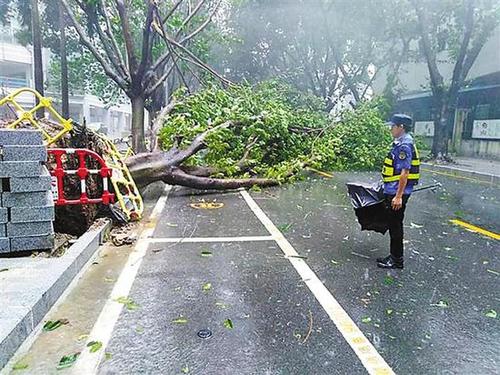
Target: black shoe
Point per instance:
(390, 262)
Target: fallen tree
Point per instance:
(256, 136)
(240, 137)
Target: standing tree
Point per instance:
(140, 44)
(312, 45)
(456, 31)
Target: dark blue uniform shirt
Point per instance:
(402, 155)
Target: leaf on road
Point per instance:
(4, 269)
(139, 329)
(491, 314)
(128, 302)
(107, 356)
(180, 320)
(172, 225)
(82, 337)
(20, 366)
(413, 225)
(493, 272)
(221, 305)
(335, 262)
(452, 257)
(366, 320)
(52, 325)
(94, 346)
(389, 311)
(440, 304)
(206, 253)
(388, 280)
(206, 287)
(284, 227)
(228, 323)
(67, 361)
(109, 279)
(185, 370)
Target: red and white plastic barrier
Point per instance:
(58, 173)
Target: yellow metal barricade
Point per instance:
(126, 192)
(62, 127)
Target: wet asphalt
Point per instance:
(429, 318)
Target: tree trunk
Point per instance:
(64, 66)
(37, 52)
(138, 124)
(440, 140)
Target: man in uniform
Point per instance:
(400, 174)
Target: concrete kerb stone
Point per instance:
(4, 244)
(66, 267)
(20, 137)
(24, 153)
(31, 214)
(34, 199)
(30, 184)
(20, 169)
(28, 229)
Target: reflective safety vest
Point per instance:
(391, 174)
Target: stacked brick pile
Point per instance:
(27, 207)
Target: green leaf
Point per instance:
(221, 305)
(334, 262)
(366, 320)
(389, 311)
(107, 356)
(206, 287)
(67, 361)
(206, 254)
(491, 314)
(52, 325)
(128, 302)
(94, 346)
(20, 366)
(285, 227)
(493, 272)
(440, 304)
(185, 370)
(228, 323)
(180, 320)
(388, 280)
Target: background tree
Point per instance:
(453, 31)
(140, 44)
(332, 48)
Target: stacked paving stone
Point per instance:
(27, 206)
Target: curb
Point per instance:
(23, 320)
(463, 173)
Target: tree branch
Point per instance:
(120, 81)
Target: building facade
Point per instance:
(16, 71)
(476, 131)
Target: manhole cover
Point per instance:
(204, 333)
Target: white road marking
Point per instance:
(366, 352)
(211, 239)
(87, 362)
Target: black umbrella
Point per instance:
(369, 205)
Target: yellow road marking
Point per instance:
(456, 176)
(473, 228)
(324, 174)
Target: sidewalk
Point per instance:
(473, 168)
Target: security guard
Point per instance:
(400, 174)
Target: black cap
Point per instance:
(400, 119)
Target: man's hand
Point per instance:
(397, 203)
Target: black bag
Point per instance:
(369, 206)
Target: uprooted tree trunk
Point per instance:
(147, 168)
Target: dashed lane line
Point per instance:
(366, 352)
